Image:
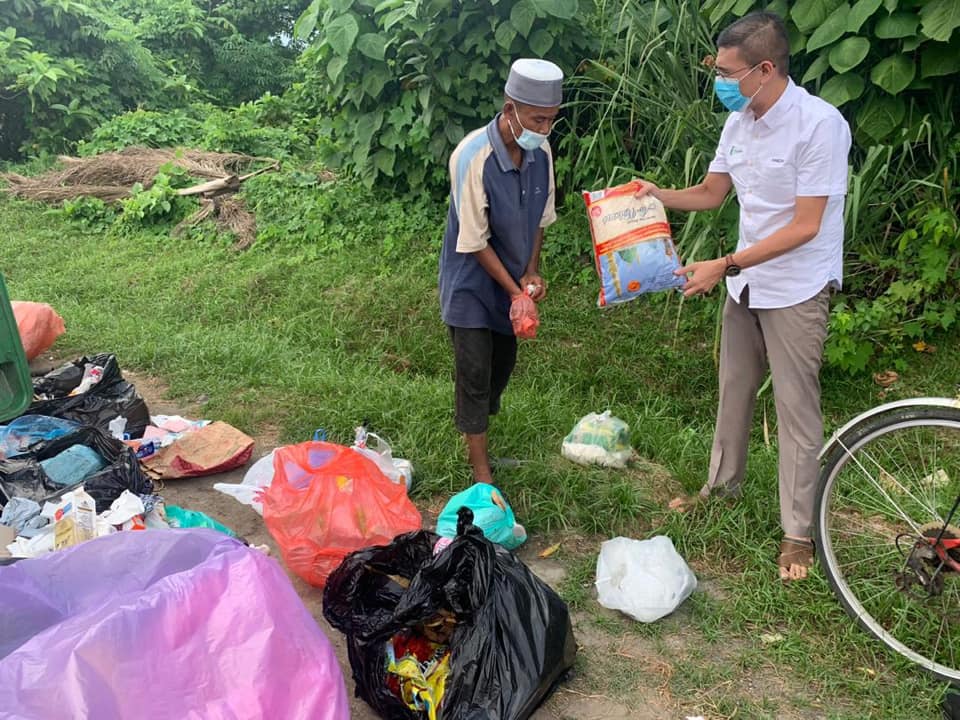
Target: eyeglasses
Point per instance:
(729, 75)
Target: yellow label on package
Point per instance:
(75, 520)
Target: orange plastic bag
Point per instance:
(524, 316)
(326, 501)
(39, 326)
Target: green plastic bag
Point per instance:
(179, 517)
(491, 513)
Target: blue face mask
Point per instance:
(728, 92)
(527, 139)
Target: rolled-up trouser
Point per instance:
(791, 340)
(484, 361)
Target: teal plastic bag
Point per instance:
(491, 513)
(179, 517)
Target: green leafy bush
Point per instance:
(143, 127)
(395, 85)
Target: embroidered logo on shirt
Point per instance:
(778, 161)
(537, 190)
(734, 150)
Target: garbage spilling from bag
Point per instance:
(28, 430)
(599, 439)
(377, 449)
(468, 632)
(646, 579)
(327, 500)
(491, 513)
(632, 245)
(39, 326)
(91, 391)
(177, 624)
(208, 449)
(257, 479)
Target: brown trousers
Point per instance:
(791, 341)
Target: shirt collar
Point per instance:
(500, 149)
(773, 117)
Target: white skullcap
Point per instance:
(535, 82)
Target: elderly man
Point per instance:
(501, 199)
(784, 152)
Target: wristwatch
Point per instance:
(732, 269)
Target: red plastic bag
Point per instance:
(327, 501)
(524, 316)
(39, 326)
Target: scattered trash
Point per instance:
(179, 517)
(632, 245)
(504, 635)
(75, 520)
(250, 491)
(549, 551)
(126, 512)
(207, 450)
(599, 439)
(491, 514)
(73, 465)
(377, 449)
(886, 378)
(103, 401)
(327, 500)
(39, 326)
(118, 427)
(646, 579)
(24, 476)
(21, 514)
(28, 430)
(771, 638)
(176, 607)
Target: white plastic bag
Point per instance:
(377, 449)
(599, 439)
(250, 491)
(646, 579)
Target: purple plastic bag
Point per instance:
(163, 624)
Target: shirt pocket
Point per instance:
(777, 176)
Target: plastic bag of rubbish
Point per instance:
(646, 579)
(39, 326)
(179, 517)
(175, 624)
(326, 501)
(257, 479)
(28, 430)
(505, 636)
(491, 513)
(110, 396)
(599, 439)
(377, 449)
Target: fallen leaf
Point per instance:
(885, 378)
(771, 638)
(868, 671)
(550, 551)
(920, 346)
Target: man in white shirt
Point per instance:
(784, 152)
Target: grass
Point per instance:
(332, 318)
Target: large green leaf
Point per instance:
(341, 34)
(541, 41)
(504, 35)
(741, 8)
(340, 6)
(893, 73)
(522, 16)
(809, 14)
(841, 89)
(373, 45)
(832, 29)
(307, 22)
(383, 161)
(881, 116)
(719, 10)
(374, 78)
(848, 53)
(861, 11)
(898, 25)
(940, 18)
(891, 5)
(816, 69)
(563, 9)
(940, 59)
(780, 7)
(335, 67)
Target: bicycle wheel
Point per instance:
(885, 492)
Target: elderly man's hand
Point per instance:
(702, 276)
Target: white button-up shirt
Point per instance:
(798, 148)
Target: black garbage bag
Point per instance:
(110, 397)
(951, 703)
(512, 643)
(23, 476)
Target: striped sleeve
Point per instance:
(469, 197)
(550, 209)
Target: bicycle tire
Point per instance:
(852, 443)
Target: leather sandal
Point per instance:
(794, 552)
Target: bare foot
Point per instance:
(684, 503)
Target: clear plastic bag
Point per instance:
(524, 316)
(599, 439)
(646, 579)
(255, 482)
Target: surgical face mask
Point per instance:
(728, 92)
(527, 139)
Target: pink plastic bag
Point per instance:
(524, 316)
(39, 326)
(328, 500)
(162, 624)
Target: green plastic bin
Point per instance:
(16, 390)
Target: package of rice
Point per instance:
(632, 245)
